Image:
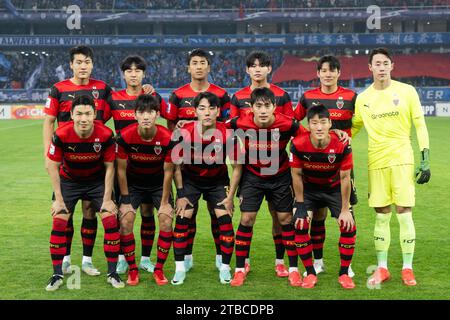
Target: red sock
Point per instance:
(69, 235)
(317, 234)
(180, 234)
(304, 247)
(347, 242)
(226, 238)
(111, 242)
(288, 238)
(163, 245)
(242, 244)
(128, 248)
(147, 235)
(88, 235)
(58, 244)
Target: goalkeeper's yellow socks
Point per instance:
(382, 237)
(407, 238)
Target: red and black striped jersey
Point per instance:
(265, 149)
(59, 101)
(240, 103)
(82, 159)
(120, 106)
(321, 167)
(340, 104)
(145, 159)
(180, 102)
(204, 158)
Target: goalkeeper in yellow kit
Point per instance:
(387, 109)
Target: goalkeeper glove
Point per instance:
(424, 168)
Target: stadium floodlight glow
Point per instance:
(367, 51)
(32, 52)
(43, 52)
(356, 51)
(22, 52)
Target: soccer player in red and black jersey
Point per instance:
(121, 107)
(321, 166)
(58, 107)
(340, 103)
(205, 145)
(259, 67)
(81, 166)
(181, 110)
(266, 134)
(145, 172)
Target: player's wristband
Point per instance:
(180, 193)
(300, 211)
(125, 199)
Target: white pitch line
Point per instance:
(22, 126)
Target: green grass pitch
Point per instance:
(25, 192)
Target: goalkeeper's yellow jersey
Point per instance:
(387, 116)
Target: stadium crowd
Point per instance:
(166, 68)
(218, 4)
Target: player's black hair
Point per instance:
(261, 56)
(128, 62)
(264, 94)
(84, 50)
(211, 97)
(85, 100)
(146, 102)
(333, 62)
(377, 51)
(317, 109)
(199, 53)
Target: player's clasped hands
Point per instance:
(228, 204)
(58, 207)
(181, 206)
(300, 215)
(108, 206)
(346, 220)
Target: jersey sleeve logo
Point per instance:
(52, 149)
(48, 102)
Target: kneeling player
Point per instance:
(145, 173)
(321, 166)
(204, 172)
(81, 166)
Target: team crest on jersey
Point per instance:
(340, 102)
(97, 147)
(331, 156)
(276, 135)
(95, 92)
(158, 150)
(218, 146)
(396, 100)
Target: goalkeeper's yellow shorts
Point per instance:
(392, 185)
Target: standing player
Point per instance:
(180, 110)
(58, 107)
(388, 109)
(144, 168)
(121, 106)
(266, 174)
(340, 103)
(204, 172)
(81, 166)
(320, 168)
(259, 67)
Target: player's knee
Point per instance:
(165, 223)
(248, 220)
(105, 214)
(320, 214)
(386, 209)
(126, 223)
(63, 216)
(88, 211)
(403, 209)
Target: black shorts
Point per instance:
(140, 194)
(315, 199)
(277, 190)
(72, 191)
(212, 193)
